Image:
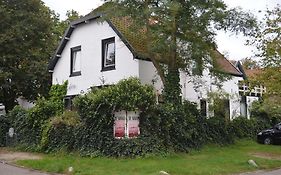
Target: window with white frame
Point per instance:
(126, 124)
(108, 54)
(75, 67)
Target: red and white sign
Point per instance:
(120, 124)
(133, 124)
(126, 124)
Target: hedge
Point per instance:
(4, 127)
(89, 131)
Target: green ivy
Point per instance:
(89, 131)
(29, 125)
(244, 128)
(96, 109)
(172, 88)
(59, 132)
(4, 127)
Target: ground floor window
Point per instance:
(203, 107)
(222, 108)
(126, 124)
(68, 102)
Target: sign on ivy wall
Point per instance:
(126, 124)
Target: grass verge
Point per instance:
(211, 160)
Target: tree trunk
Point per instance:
(172, 88)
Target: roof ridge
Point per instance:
(230, 62)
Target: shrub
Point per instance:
(244, 128)
(178, 127)
(164, 127)
(59, 132)
(20, 121)
(95, 135)
(4, 127)
(268, 110)
(217, 131)
(30, 124)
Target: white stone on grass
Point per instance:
(70, 169)
(252, 163)
(163, 173)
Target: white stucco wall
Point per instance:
(231, 87)
(197, 87)
(89, 36)
(148, 75)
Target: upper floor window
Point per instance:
(75, 67)
(108, 54)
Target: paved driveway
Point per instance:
(6, 169)
(274, 172)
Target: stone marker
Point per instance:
(163, 173)
(70, 170)
(252, 163)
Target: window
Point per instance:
(68, 102)
(75, 67)
(203, 107)
(222, 108)
(126, 124)
(108, 54)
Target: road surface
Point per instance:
(274, 172)
(6, 169)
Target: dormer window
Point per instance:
(108, 54)
(75, 67)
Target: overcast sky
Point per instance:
(232, 45)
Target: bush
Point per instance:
(95, 135)
(217, 130)
(4, 127)
(178, 127)
(20, 121)
(60, 132)
(268, 110)
(244, 128)
(164, 127)
(29, 125)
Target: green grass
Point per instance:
(210, 160)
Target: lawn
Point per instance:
(211, 159)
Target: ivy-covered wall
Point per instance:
(89, 130)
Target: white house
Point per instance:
(249, 95)
(94, 53)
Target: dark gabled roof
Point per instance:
(133, 40)
(240, 67)
(225, 65)
(66, 38)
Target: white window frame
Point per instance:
(76, 57)
(106, 54)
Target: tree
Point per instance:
(268, 39)
(179, 35)
(249, 63)
(61, 26)
(27, 42)
(268, 43)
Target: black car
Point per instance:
(270, 136)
